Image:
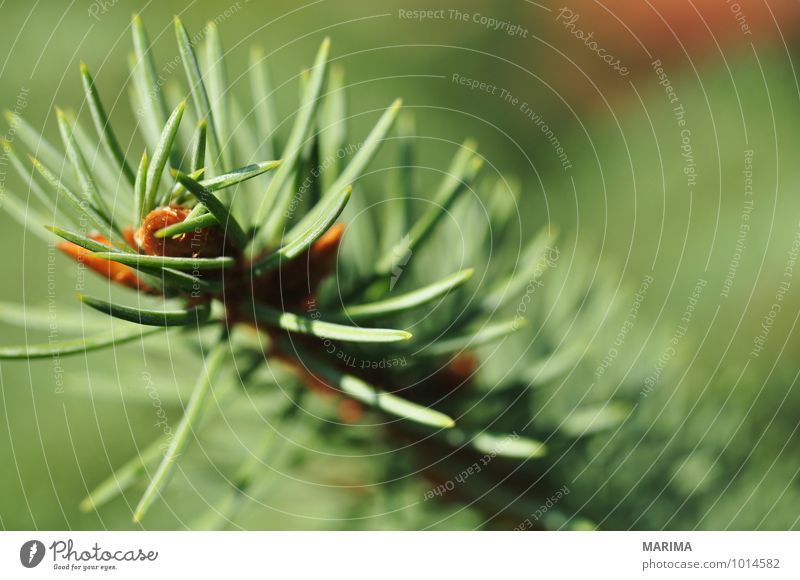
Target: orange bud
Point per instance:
(202, 242)
(463, 366)
(117, 273)
(322, 254)
(350, 411)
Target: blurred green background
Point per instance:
(720, 427)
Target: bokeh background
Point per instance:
(708, 209)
